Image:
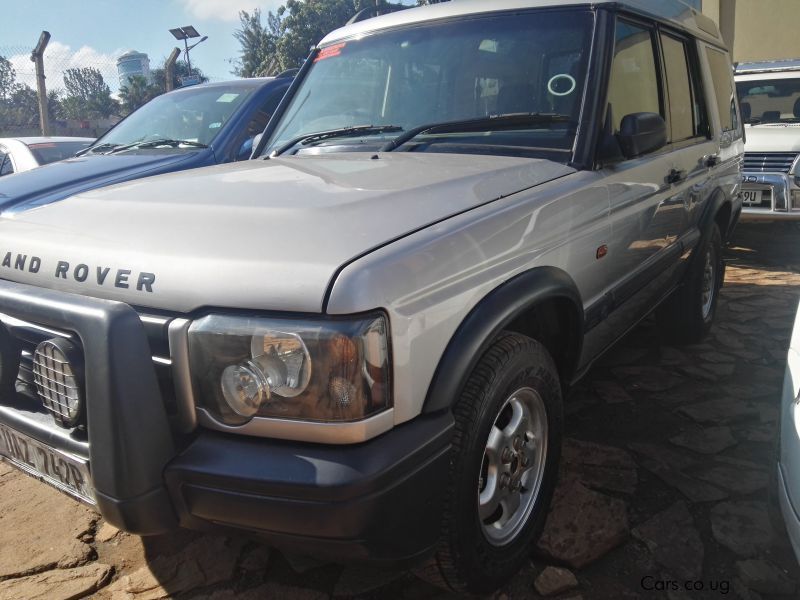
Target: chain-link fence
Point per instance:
(87, 91)
(81, 88)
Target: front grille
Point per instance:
(57, 383)
(769, 162)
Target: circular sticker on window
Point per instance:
(561, 84)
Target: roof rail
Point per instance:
(768, 66)
(375, 11)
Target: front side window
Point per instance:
(533, 63)
(769, 100)
(6, 167)
(633, 86)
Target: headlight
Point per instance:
(326, 370)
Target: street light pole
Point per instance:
(188, 62)
(186, 33)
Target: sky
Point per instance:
(96, 32)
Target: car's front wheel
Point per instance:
(503, 466)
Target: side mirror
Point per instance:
(640, 133)
(246, 150)
(257, 140)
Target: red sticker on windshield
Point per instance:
(330, 52)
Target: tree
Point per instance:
(159, 76)
(258, 44)
(87, 95)
(137, 92)
(304, 23)
(290, 32)
(55, 109)
(21, 107)
(7, 78)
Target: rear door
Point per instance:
(728, 130)
(693, 151)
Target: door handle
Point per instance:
(710, 160)
(675, 176)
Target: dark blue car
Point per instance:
(188, 128)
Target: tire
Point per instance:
(687, 315)
(515, 377)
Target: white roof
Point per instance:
(673, 10)
(45, 139)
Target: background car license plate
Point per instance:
(66, 472)
(751, 197)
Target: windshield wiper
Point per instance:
(333, 133)
(154, 143)
(506, 121)
(94, 149)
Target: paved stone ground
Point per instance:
(666, 477)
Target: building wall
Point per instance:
(757, 29)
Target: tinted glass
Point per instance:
(195, 114)
(6, 168)
(682, 109)
(722, 78)
(459, 69)
(633, 86)
(48, 152)
(769, 100)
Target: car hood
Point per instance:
(258, 234)
(773, 137)
(65, 178)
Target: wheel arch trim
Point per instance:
(489, 317)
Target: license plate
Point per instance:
(64, 471)
(751, 197)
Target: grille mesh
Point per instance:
(766, 162)
(56, 383)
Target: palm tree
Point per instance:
(136, 92)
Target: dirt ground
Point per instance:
(667, 485)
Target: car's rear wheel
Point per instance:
(687, 315)
(503, 466)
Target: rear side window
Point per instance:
(686, 109)
(633, 86)
(6, 168)
(724, 90)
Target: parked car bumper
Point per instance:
(378, 501)
(789, 461)
(777, 197)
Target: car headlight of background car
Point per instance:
(325, 370)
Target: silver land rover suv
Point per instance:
(357, 344)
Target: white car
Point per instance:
(26, 153)
(769, 96)
(789, 465)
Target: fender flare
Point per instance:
(493, 313)
(708, 218)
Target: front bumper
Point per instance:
(777, 192)
(379, 501)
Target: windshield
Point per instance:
(534, 62)
(196, 115)
(48, 152)
(769, 100)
